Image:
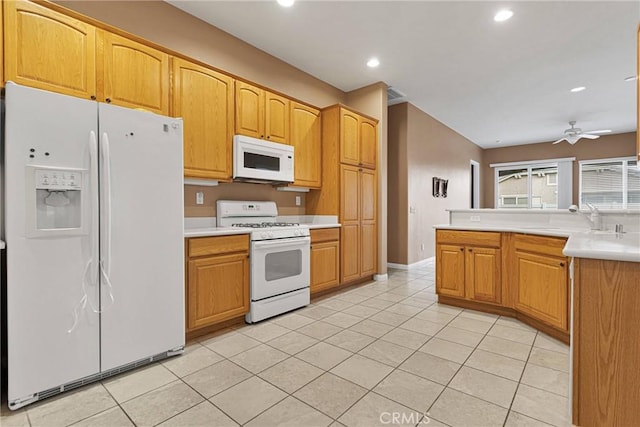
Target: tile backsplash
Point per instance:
(285, 200)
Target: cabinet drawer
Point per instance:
(324, 235)
(540, 244)
(200, 246)
(473, 238)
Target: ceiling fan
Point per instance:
(573, 134)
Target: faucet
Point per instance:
(594, 215)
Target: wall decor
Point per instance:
(439, 187)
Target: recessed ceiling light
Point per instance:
(286, 3)
(503, 15)
(578, 89)
(631, 78)
(373, 63)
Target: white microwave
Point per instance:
(257, 160)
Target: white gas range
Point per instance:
(280, 257)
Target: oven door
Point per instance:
(279, 266)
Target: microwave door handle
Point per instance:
(284, 242)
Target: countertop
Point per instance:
(580, 243)
(226, 231)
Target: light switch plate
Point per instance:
(199, 198)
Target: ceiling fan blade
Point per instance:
(558, 141)
(588, 136)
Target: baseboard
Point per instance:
(418, 264)
(380, 277)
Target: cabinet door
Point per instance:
(483, 274)
(306, 137)
(48, 50)
(349, 195)
(276, 118)
(349, 138)
(349, 252)
(350, 220)
(450, 270)
(368, 143)
(368, 229)
(325, 265)
(249, 110)
(133, 75)
(218, 289)
(204, 99)
(542, 288)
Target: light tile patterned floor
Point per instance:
(384, 353)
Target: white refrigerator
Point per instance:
(93, 213)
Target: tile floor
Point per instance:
(384, 353)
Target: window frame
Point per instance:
(529, 166)
(624, 162)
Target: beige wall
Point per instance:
(432, 149)
(620, 145)
(372, 100)
(397, 213)
(286, 201)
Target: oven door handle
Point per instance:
(284, 242)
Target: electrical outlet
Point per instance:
(199, 198)
(475, 218)
(422, 247)
(298, 200)
(412, 209)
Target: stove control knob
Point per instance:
(298, 233)
(263, 235)
(271, 234)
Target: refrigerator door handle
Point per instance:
(95, 205)
(105, 261)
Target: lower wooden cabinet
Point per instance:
(522, 275)
(541, 279)
(469, 271)
(217, 279)
(325, 259)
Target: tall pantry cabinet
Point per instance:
(349, 187)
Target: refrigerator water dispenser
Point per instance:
(57, 208)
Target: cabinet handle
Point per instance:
(562, 264)
(470, 250)
(108, 100)
(93, 97)
(461, 249)
(268, 136)
(261, 136)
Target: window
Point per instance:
(610, 183)
(544, 184)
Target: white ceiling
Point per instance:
(489, 81)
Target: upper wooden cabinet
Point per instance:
(133, 75)
(306, 138)
(204, 99)
(261, 114)
(276, 118)
(249, 110)
(48, 50)
(359, 139)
